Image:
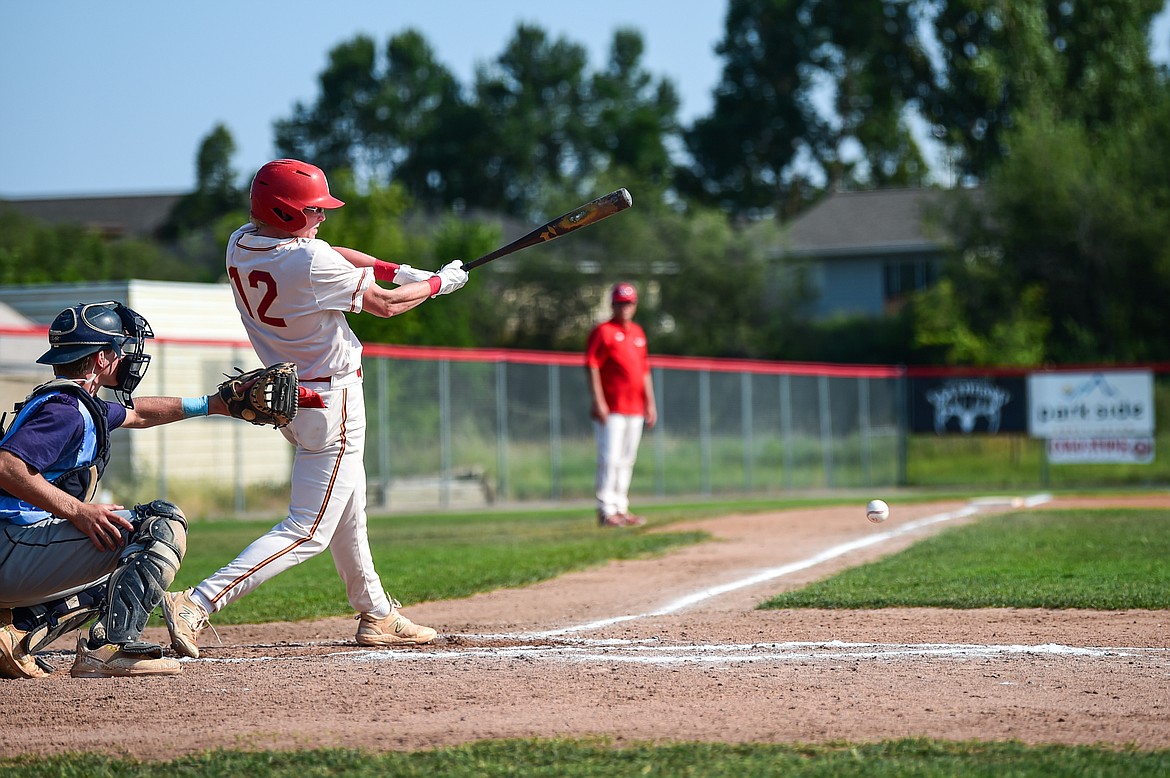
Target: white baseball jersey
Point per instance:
(292, 294)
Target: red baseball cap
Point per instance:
(624, 293)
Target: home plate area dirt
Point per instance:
(664, 649)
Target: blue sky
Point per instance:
(105, 98)
(112, 98)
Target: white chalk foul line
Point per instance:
(613, 652)
(793, 567)
(651, 652)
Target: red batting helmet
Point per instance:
(284, 188)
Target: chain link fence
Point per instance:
(517, 426)
(464, 429)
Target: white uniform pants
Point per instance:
(327, 509)
(617, 450)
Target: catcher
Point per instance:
(66, 561)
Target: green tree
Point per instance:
(425, 125)
(719, 300)
(817, 94)
(553, 126)
(1065, 259)
(1090, 61)
(705, 284)
(631, 115)
(868, 54)
(536, 119)
(334, 132)
(979, 326)
(35, 252)
(744, 152)
(216, 190)
(812, 97)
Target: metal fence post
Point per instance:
(382, 370)
(660, 434)
(745, 399)
(554, 428)
(444, 434)
(902, 409)
(786, 428)
(863, 429)
(502, 429)
(705, 431)
(826, 416)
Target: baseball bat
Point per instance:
(582, 216)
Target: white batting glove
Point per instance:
(453, 277)
(407, 275)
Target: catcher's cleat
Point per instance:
(15, 660)
(393, 630)
(114, 661)
(185, 620)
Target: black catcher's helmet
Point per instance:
(88, 328)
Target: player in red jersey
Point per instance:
(622, 394)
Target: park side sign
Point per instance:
(1099, 417)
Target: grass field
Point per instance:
(430, 557)
(519, 758)
(1101, 559)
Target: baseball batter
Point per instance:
(622, 394)
(293, 291)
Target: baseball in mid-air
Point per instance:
(877, 511)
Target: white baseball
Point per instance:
(877, 511)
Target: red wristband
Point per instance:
(436, 284)
(384, 271)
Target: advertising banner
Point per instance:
(1097, 451)
(1108, 404)
(968, 405)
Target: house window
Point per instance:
(902, 278)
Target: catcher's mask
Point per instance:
(284, 188)
(89, 328)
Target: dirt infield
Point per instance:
(652, 650)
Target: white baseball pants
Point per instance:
(327, 509)
(617, 450)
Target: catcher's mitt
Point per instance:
(267, 395)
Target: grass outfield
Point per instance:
(1102, 559)
(1062, 559)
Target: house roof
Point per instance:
(869, 222)
(115, 215)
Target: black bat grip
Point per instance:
(477, 262)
